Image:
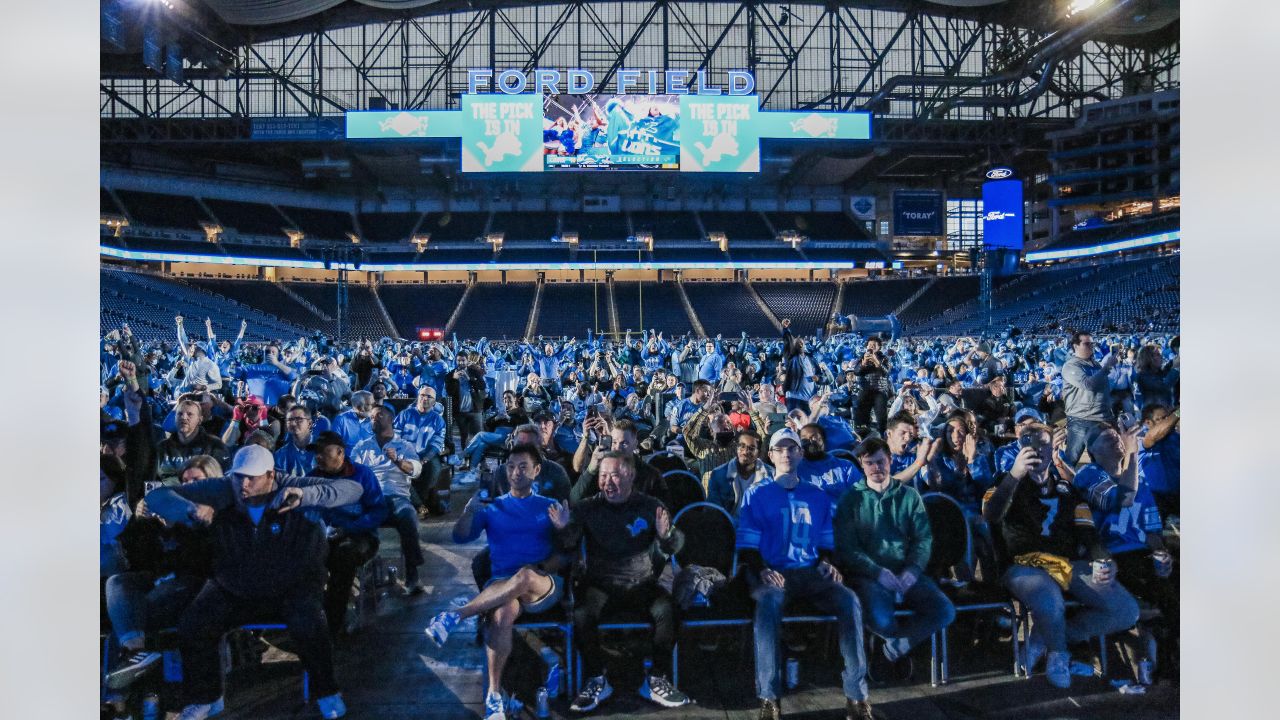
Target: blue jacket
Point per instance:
(425, 431)
(364, 516)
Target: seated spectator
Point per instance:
(1161, 454)
(727, 484)
(786, 548)
(394, 462)
(883, 542)
(839, 435)
(908, 467)
(256, 575)
(422, 425)
(353, 528)
(353, 424)
(995, 404)
(295, 458)
(501, 420)
(1043, 521)
(1125, 512)
(168, 564)
(552, 481)
(955, 466)
(525, 563)
(621, 527)
(908, 401)
(186, 441)
(1006, 454)
(833, 475)
(709, 436)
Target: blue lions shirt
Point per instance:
(1123, 529)
(832, 475)
(520, 532)
(787, 527)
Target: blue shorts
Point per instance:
(544, 603)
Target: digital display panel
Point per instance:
(598, 132)
(1002, 214)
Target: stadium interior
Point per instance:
(229, 192)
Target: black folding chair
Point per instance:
(665, 462)
(683, 489)
(710, 539)
(952, 545)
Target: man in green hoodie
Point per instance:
(883, 542)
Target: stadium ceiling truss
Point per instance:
(803, 57)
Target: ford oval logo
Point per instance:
(999, 173)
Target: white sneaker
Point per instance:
(466, 479)
(200, 712)
(495, 708)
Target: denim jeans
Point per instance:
(137, 605)
(932, 611)
(482, 441)
(1080, 434)
(404, 519)
(828, 597)
(1107, 608)
(215, 611)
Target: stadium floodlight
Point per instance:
(354, 238)
(1078, 6)
(420, 241)
(295, 237)
(495, 239)
(117, 223)
(212, 231)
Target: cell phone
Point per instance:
(1027, 440)
(593, 411)
(606, 442)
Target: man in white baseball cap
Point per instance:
(269, 563)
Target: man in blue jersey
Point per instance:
(422, 425)
(353, 424)
(295, 457)
(786, 546)
(833, 475)
(1160, 455)
(1130, 525)
(268, 379)
(524, 562)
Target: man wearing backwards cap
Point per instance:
(792, 560)
(268, 563)
(1008, 453)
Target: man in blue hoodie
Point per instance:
(353, 529)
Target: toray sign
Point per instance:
(583, 82)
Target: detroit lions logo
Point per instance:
(637, 526)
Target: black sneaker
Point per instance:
(597, 690)
(770, 710)
(658, 689)
(133, 665)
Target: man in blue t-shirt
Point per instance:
(1160, 454)
(521, 527)
(786, 542)
(833, 475)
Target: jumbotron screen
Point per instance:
(601, 131)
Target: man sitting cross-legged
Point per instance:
(524, 560)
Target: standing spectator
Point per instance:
(786, 546)
(1087, 392)
(873, 376)
(801, 372)
(466, 389)
(1154, 379)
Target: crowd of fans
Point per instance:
(247, 483)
